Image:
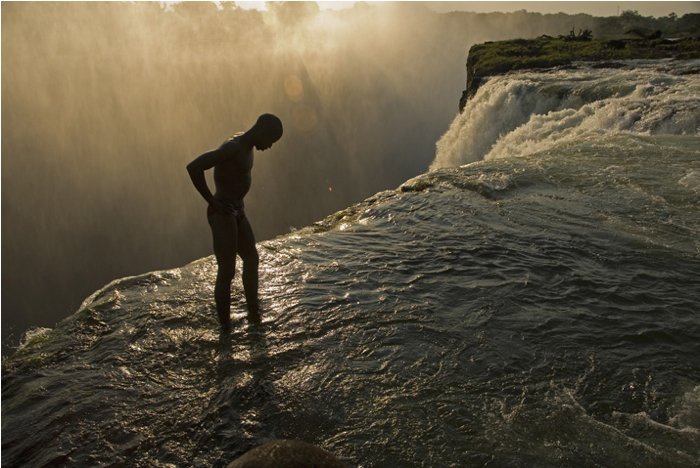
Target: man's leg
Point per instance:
(224, 234)
(249, 255)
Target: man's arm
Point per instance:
(196, 170)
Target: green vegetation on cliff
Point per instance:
(495, 58)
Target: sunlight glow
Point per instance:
(335, 5)
(260, 6)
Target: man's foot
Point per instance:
(224, 321)
(254, 318)
(254, 315)
(224, 341)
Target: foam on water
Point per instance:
(525, 113)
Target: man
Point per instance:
(231, 231)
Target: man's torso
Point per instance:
(233, 176)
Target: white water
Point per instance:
(525, 113)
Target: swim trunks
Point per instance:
(237, 212)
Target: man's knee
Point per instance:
(226, 272)
(250, 257)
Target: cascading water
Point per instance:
(523, 113)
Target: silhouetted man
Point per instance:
(231, 231)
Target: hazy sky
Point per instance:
(593, 8)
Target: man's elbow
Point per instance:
(192, 168)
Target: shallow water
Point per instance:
(539, 310)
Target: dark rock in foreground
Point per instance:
(495, 58)
(287, 454)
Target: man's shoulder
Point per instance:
(231, 147)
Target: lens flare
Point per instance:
(294, 88)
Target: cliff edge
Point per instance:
(495, 58)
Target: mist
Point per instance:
(105, 103)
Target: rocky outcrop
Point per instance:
(287, 454)
(495, 58)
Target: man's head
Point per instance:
(267, 130)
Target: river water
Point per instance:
(534, 300)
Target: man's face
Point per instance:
(265, 142)
(262, 146)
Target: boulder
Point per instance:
(287, 454)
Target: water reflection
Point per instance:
(243, 400)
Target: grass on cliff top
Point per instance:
(497, 57)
